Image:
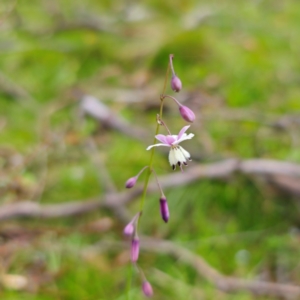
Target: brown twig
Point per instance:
(224, 283)
(91, 106)
(32, 209)
(115, 201)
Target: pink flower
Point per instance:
(177, 154)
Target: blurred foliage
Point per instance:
(238, 59)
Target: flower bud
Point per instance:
(147, 289)
(129, 229)
(187, 114)
(135, 249)
(176, 84)
(131, 182)
(164, 209)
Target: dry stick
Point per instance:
(222, 282)
(35, 210)
(113, 201)
(91, 106)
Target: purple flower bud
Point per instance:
(135, 249)
(187, 114)
(129, 229)
(164, 209)
(176, 84)
(131, 182)
(147, 289)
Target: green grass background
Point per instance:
(241, 61)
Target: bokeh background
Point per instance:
(239, 64)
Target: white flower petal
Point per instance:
(179, 156)
(185, 137)
(183, 130)
(172, 158)
(185, 153)
(156, 145)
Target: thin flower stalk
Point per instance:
(130, 228)
(186, 113)
(132, 181)
(177, 156)
(176, 84)
(148, 174)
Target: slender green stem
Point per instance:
(128, 287)
(149, 171)
(171, 64)
(167, 96)
(148, 174)
(165, 86)
(158, 184)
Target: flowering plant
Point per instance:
(177, 156)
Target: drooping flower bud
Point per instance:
(176, 84)
(187, 114)
(164, 209)
(131, 182)
(135, 249)
(147, 289)
(129, 229)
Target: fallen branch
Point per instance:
(222, 282)
(91, 106)
(228, 284)
(115, 201)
